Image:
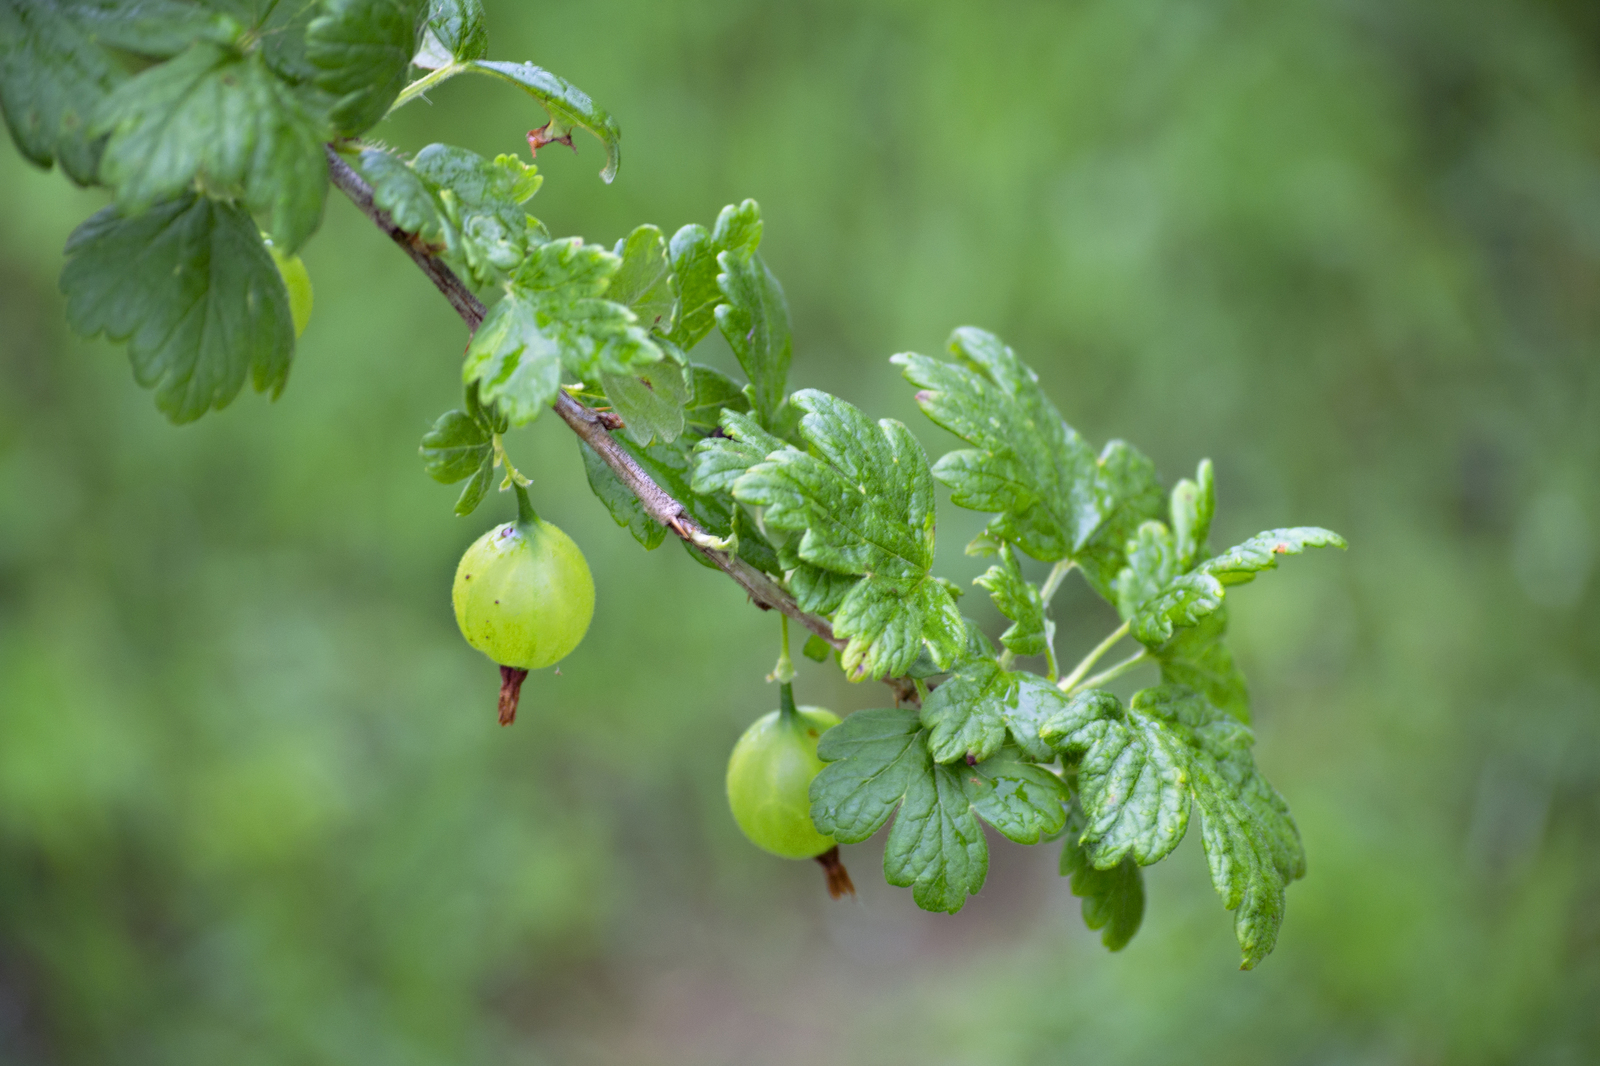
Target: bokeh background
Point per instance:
(254, 806)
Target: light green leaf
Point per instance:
(362, 50)
(476, 488)
(515, 363)
(1032, 630)
(214, 115)
(710, 392)
(651, 404)
(755, 323)
(192, 289)
(1241, 563)
(816, 649)
(1141, 767)
(403, 194)
(565, 278)
(721, 461)
(568, 106)
(644, 283)
(487, 231)
(1023, 800)
(862, 502)
(1194, 503)
(1113, 900)
(1048, 492)
(694, 252)
(459, 27)
(973, 711)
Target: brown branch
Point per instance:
(592, 430)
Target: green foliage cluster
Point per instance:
(205, 121)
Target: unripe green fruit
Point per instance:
(523, 594)
(769, 781)
(298, 281)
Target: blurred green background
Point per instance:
(254, 805)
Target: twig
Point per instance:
(591, 429)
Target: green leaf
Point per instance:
(670, 466)
(459, 28)
(721, 461)
(625, 508)
(877, 762)
(755, 323)
(694, 252)
(1142, 766)
(1241, 563)
(974, 710)
(1019, 600)
(1048, 492)
(53, 77)
(644, 283)
(481, 200)
(566, 279)
(192, 289)
(1152, 563)
(1152, 592)
(862, 502)
(1184, 602)
(406, 197)
(362, 50)
(1026, 802)
(1198, 657)
(456, 447)
(213, 115)
(816, 649)
(473, 492)
(711, 391)
(515, 363)
(569, 107)
(1113, 900)
(1194, 503)
(651, 404)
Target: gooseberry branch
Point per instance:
(593, 431)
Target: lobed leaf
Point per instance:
(878, 764)
(1031, 631)
(861, 501)
(1198, 657)
(458, 28)
(980, 704)
(1241, 563)
(402, 193)
(710, 393)
(1113, 900)
(1194, 503)
(1049, 494)
(214, 115)
(644, 282)
(1141, 766)
(193, 291)
(362, 50)
(755, 323)
(695, 253)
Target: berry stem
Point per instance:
(525, 513)
(786, 710)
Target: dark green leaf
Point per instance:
(1194, 503)
(755, 323)
(979, 704)
(473, 492)
(456, 447)
(625, 508)
(192, 289)
(862, 502)
(362, 50)
(816, 649)
(459, 28)
(694, 252)
(214, 115)
(1113, 899)
(644, 284)
(1049, 494)
(568, 106)
(1241, 563)
(53, 77)
(1200, 659)
(710, 391)
(1032, 631)
(1141, 766)
(398, 190)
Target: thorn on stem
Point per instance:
(511, 679)
(838, 877)
(609, 419)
